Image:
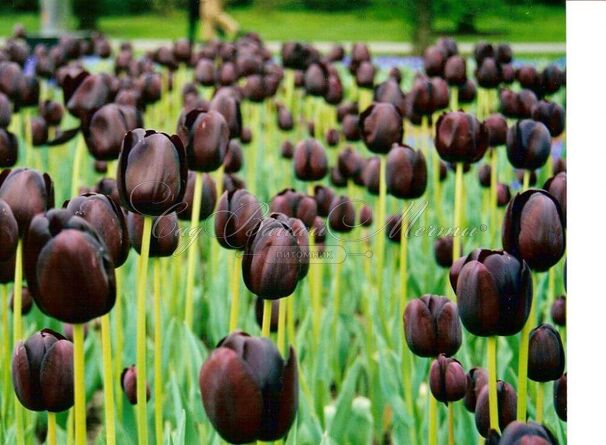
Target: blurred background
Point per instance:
(418, 22)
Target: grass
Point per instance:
(519, 24)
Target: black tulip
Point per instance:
(546, 358)
(9, 232)
(477, 378)
(447, 379)
(107, 128)
(9, 148)
(310, 161)
(209, 197)
(506, 403)
(324, 197)
(496, 124)
(442, 250)
(460, 137)
(128, 381)
(406, 172)
(381, 127)
(342, 215)
(164, 238)
(527, 433)
(558, 311)
(238, 213)
(528, 144)
(552, 115)
(205, 138)
(560, 398)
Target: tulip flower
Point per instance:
(546, 360)
(528, 144)
(310, 161)
(128, 381)
(477, 379)
(455, 71)
(324, 197)
(381, 127)
(434, 60)
(552, 115)
(205, 136)
(103, 143)
(342, 215)
(560, 398)
(406, 173)
(9, 148)
(238, 213)
(556, 186)
(43, 373)
(248, 391)
(530, 433)
(5, 111)
(558, 311)
(9, 232)
(208, 198)
(507, 400)
(295, 205)
(447, 379)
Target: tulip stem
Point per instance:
(407, 387)
(523, 363)
(493, 191)
(157, 352)
(540, 386)
(454, 98)
(17, 328)
(456, 241)
(433, 421)
(282, 325)
(119, 338)
(110, 427)
(6, 349)
(451, 424)
(526, 180)
(265, 327)
(403, 262)
(235, 291)
(192, 250)
(76, 165)
(141, 316)
(493, 407)
(51, 435)
(290, 319)
(79, 385)
(381, 241)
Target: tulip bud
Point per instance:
(9, 148)
(332, 137)
(460, 137)
(406, 172)
(467, 92)
(528, 144)
(481, 51)
(9, 232)
(381, 127)
(365, 75)
(534, 229)
(205, 137)
(527, 433)
(390, 92)
(205, 72)
(432, 327)
(107, 129)
(42, 371)
(26, 301)
(287, 150)
(447, 379)
(442, 250)
(107, 218)
(351, 128)
(503, 195)
(209, 197)
(233, 157)
(295, 205)
(477, 378)
(455, 71)
(285, 120)
(488, 73)
(508, 74)
(238, 213)
(551, 79)
(560, 397)
(434, 60)
(365, 218)
(324, 197)
(5, 111)
(546, 359)
(249, 392)
(556, 186)
(164, 234)
(558, 311)
(349, 162)
(484, 175)
(229, 106)
(109, 187)
(349, 108)
(316, 79)
(342, 215)
(497, 129)
(506, 402)
(448, 45)
(494, 292)
(310, 161)
(27, 192)
(128, 380)
(152, 172)
(552, 115)
(370, 175)
(231, 183)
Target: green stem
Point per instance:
(403, 263)
(265, 327)
(335, 315)
(235, 291)
(141, 335)
(407, 387)
(454, 98)
(110, 427)
(526, 180)
(79, 384)
(282, 326)
(17, 329)
(76, 165)
(380, 241)
(523, 360)
(432, 430)
(451, 424)
(493, 406)
(119, 339)
(493, 192)
(192, 250)
(51, 435)
(540, 398)
(290, 319)
(158, 384)
(456, 244)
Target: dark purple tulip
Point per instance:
(508, 74)
(506, 402)
(546, 357)
(348, 108)
(528, 77)
(109, 187)
(107, 129)
(503, 195)
(556, 186)
(504, 54)
(560, 397)
(85, 94)
(209, 197)
(128, 381)
(233, 157)
(324, 197)
(390, 92)
(205, 73)
(337, 179)
(229, 106)
(295, 205)
(442, 250)
(534, 229)
(558, 311)
(477, 378)
(297, 56)
(316, 79)
(381, 127)
(334, 93)
(406, 172)
(9, 232)
(528, 144)
(152, 172)
(351, 128)
(9, 148)
(336, 53)
(51, 111)
(518, 433)
(246, 135)
(551, 79)
(28, 193)
(205, 137)
(448, 45)
(287, 150)
(107, 218)
(447, 379)
(365, 217)
(432, 327)
(455, 71)
(11, 79)
(494, 292)
(496, 124)
(232, 182)
(27, 302)
(332, 137)
(427, 96)
(68, 270)
(484, 174)
(342, 215)
(434, 60)
(39, 131)
(349, 162)
(550, 114)
(310, 161)
(481, 51)
(460, 137)
(285, 120)
(237, 216)
(467, 92)
(488, 73)
(29, 91)
(271, 265)
(5, 111)
(164, 234)
(559, 165)
(370, 174)
(365, 75)
(249, 392)
(42, 372)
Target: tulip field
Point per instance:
(211, 244)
